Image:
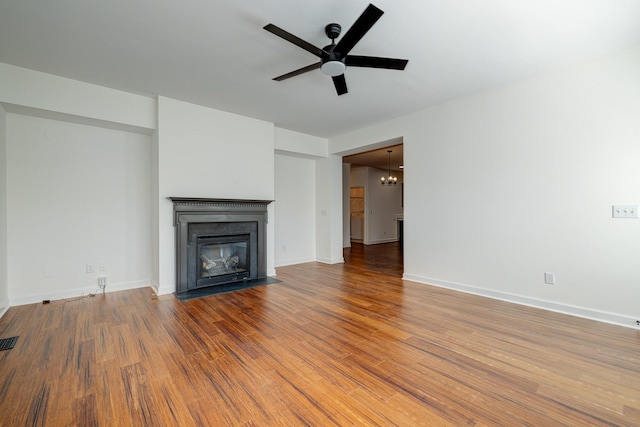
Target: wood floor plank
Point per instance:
(348, 345)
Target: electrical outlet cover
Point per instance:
(549, 278)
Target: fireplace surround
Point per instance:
(219, 241)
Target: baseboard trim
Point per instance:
(339, 260)
(164, 290)
(379, 241)
(74, 293)
(154, 285)
(586, 313)
(4, 308)
(286, 262)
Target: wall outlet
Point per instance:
(549, 278)
(102, 266)
(102, 281)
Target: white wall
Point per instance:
(295, 210)
(155, 214)
(204, 152)
(24, 88)
(4, 284)
(329, 213)
(76, 195)
(300, 144)
(507, 184)
(346, 206)
(188, 137)
(386, 206)
(87, 164)
(296, 158)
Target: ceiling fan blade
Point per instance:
(375, 62)
(295, 40)
(359, 28)
(298, 72)
(341, 84)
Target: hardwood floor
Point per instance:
(330, 345)
(386, 258)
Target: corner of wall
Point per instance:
(4, 285)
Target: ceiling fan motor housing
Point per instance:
(332, 30)
(332, 62)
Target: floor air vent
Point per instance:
(7, 343)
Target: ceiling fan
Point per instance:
(335, 58)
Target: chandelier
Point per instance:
(389, 179)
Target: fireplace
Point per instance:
(223, 259)
(219, 241)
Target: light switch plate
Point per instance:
(625, 211)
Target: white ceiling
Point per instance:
(215, 52)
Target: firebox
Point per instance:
(219, 241)
(222, 259)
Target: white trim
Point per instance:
(286, 262)
(74, 293)
(4, 309)
(339, 260)
(379, 241)
(600, 316)
(164, 290)
(154, 285)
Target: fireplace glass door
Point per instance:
(222, 259)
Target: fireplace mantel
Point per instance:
(190, 218)
(206, 205)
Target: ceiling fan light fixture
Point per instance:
(333, 68)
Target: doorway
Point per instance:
(375, 206)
